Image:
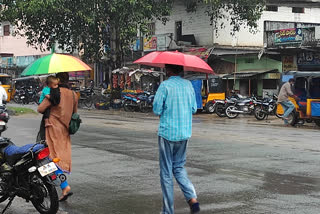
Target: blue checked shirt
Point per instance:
(175, 102)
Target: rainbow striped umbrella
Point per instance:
(55, 63)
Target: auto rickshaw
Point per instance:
(209, 88)
(6, 83)
(307, 88)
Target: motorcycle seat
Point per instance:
(13, 153)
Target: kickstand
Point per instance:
(8, 205)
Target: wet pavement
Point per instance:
(237, 166)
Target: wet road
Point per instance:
(237, 166)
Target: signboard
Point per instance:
(288, 36)
(309, 58)
(273, 76)
(289, 64)
(150, 44)
(162, 43)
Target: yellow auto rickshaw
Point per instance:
(6, 83)
(211, 89)
(307, 88)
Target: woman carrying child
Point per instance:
(57, 125)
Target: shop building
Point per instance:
(241, 53)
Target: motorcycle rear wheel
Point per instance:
(259, 114)
(42, 191)
(231, 115)
(220, 111)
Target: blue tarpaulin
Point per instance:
(197, 85)
(315, 109)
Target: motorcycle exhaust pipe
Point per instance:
(236, 111)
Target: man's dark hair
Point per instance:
(176, 69)
(63, 77)
(291, 80)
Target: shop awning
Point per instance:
(246, 74)
(203, 52)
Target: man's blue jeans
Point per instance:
(288, 107)
(172, 157)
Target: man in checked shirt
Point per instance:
(175, 103)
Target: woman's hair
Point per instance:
(63, 77)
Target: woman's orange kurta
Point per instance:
(57, 135)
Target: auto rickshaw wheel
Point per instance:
(317, 122)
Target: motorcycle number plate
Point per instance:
(2, 123)
(47, 169)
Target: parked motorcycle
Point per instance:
(28, 172)
(265, 107)
(222, 105)
(242, 106)
(146, 103)
(131, 102)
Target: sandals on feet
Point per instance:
(65, 197)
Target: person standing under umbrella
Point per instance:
(175, 103)
(57, 136)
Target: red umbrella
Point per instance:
(189, 62)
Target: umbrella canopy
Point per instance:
(55, 63)
(189, 62)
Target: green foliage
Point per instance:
(92, 25)
(84, 24)
(237, 12)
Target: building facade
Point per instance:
(252, 56)
(15, 54)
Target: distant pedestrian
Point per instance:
(175, 103)
(283, 99)
(57, 135)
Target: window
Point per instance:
(297, 10)
(272, 8)
(152, 28)
(6, 30)
(178, 30)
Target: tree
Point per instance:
(100, 27)
(108, 27)
(236, 12)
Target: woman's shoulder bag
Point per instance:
(75, 120)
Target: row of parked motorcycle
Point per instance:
(27, 94)
(235, 105)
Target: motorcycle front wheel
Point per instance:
(127, 106)
(144, 107)
(3, 194)
(230, 114)
(210, 107)
(16, 99)
(259, 114)
(45, 197)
